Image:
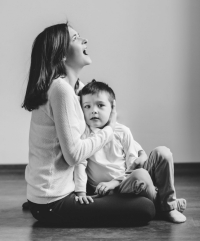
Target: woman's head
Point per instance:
(54, 51)
(77, 56)
(47, 62)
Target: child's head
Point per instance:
(96, 101)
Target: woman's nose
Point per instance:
(85, 41)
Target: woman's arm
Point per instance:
(69, 123)
(80, 177)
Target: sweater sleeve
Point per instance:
(68, 126)
(80, 177)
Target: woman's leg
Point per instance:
(161, 169)
(110, 210)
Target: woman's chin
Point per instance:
(89, 62)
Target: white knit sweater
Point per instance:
(55, 144)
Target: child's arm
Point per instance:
(80, 179)
(135, 155)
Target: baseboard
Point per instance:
(187, 168)
(12, 168)
(179, 168)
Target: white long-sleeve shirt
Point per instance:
(110, 162)
(55, 144)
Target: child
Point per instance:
(122, 165)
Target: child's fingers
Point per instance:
(101, 190)
(95, 196)
(96, 191)
(105, 190)
(97, 188)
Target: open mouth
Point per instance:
(85, 52)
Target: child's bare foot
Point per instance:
(174, 216)
(181, 204)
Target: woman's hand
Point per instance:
(104, 187)
(83, 198)
(113, 115)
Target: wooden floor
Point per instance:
(16, 224)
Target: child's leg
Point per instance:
(161, 169)
(140, 183)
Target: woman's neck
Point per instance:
(72, 76)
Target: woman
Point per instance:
(55, 144)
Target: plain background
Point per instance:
(146, 50)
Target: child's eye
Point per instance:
(101, 105)
(86, 107)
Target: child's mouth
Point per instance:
(94, 118)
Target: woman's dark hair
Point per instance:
(94, 87)
(47, 63)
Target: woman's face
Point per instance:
(77, 56)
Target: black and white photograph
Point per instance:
(100, 126)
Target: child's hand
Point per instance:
(138, 163)
(104, 187)
(83, 198)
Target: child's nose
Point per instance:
(94, 111)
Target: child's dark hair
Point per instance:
(94, 87)
(47, 63)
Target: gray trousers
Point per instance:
(154, 181)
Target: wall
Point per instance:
(148, 51)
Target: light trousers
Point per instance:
(154, 181)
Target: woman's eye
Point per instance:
(76, 37)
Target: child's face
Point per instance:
(97, 109)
